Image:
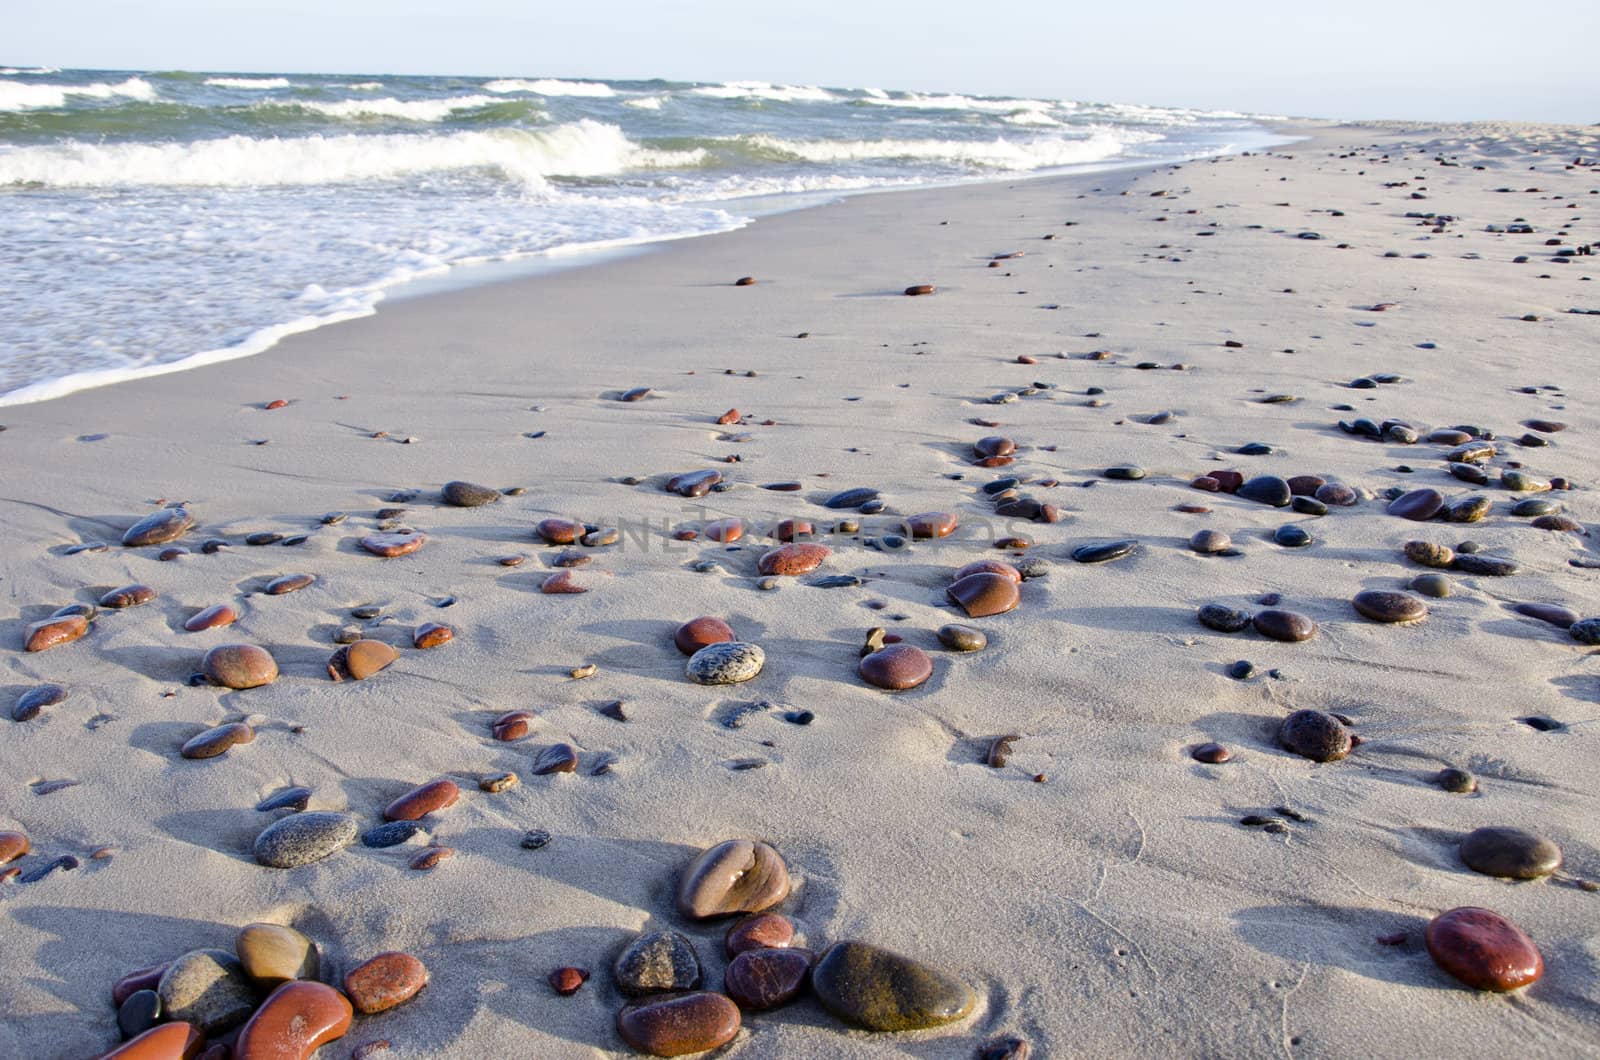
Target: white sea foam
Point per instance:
(387, 107)
(1029, 117)
(363, 86)
(16, 95)
(579, 149)
(916, 101)
(12, 71)
(262, 84)
(646, 102)
(551, 87)
(998, 153)
(765, 90)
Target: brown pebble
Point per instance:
(896, 668)
(984, 594)
(513, 725)
(216, 741)
(698, 632)
(731, 416)
(920, 288)
(429, 857)
(289, 583)
(1483, 949)
(390, 545)
(758, 931)
(422, 800)
(568, 980)
(678, 1024)
(793, 559)
(128, 596)
(385, 981)
(359, 661)
(213, 617)
(432, 634)
(497, 782)
(1211, 754)
(512, 561)
(239, 666)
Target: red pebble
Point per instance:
(567, 980)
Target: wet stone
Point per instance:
(758, 931)
(1291, 536)
(158, 528)
(1562, 523)
(730, 662)
(384, 981)
(957, 637)
(263, 537)
(1209, 542)
(432, 635)
(1382, 605)
(390, 545)
(656, 962)
(1281, 625)
(851, 498)
(295, 1021)
(303, 838)
(207, 988)
(567, 980)
(422, 800)
(1483, 949)
(295, 798)
(1125, 473)
(1242, 670)
(984, 593)
(239, 666)
(459, 494)
(1535, 506)
(53, 632)
(694, 483)
(289, 583)
(1223, 619)
(1456, 781)
(389, 834)
(273, 954)
(1316, 735)
(12, 846)
(878, 990)
(34, 700)
(1266, 489)
(1102, 553)
(762, 979)
(680, 1024)
(1513, 853)
(213, 617)
(140, 1012)
(735, 876)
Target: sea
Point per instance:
(153, 221)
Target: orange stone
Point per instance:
(432, 634)
(385, 981)
(932, 524)
(239, 666)
(12, 846)
(678, 1024)
(294, 1022)
(513, 725)
(724, 530)
(216, 741)
(421, 801)
(361, 660)
(789, 529)
(988, 566)
(793, 559)
(276, 403)
(53, 632)
(213, 617)
(170, 1041)
(563, 583)
(698, 632)
(731, 416)
(392, 545)
(558, 531)
(988, 593)
(896, 667)
(758, 931)
(429, 858)
(993, 445)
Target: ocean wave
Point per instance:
(581, 149)
(646, 102)
(999, 153)
(917, 101)
(1029, 117)
(12, 71)
(361, 86)
(551, 87)
(254, 83)
(765, 90)
(386, 107)
(16, 95)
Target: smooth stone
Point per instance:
(896, 667)
(1489, 566)
(1209, 542)
(432, 635)
(1562, 523)
(460, 494)
(679, 1024)
(294, 798)
(988, 566)
(758, 931)
(1242, 670)
(289, 583)
(1522, 482)
(207, 988)
(1288, 626)
(213, 617)
(931, 525)
(1223, 619)
(608, 535)
(169, 1041)
(1305, 485)
(384, 981)
(1308, 506)
(1418, 505)
(558, 531)
(851, 498)
(1006, 1048)
(512, 725)
(217, 740)
(1383, 605)
(54, 632)
(13, 845)
(723, 531)
(557, 758)
(835, 581)
(762, 979)
(693, 483)
(789, 529)
(1125, 473)
(1472, 473)
(1474, 452)
(359, 661)
(158, 528)
(568, 582)
(127, 596)
(735, 876)
(1586, 631)
(1514, 853)
(302, 838)
(239, 666)
(792, 560)
(697, 633)
(391, 545)
(567, 980)
(1266, 489)
(141, 979)
(1292, 536)
(422, 800)
(264, 537)
(1212, 754)
(655, 962)
(984, 594)
(878, 990)
(1555, 614)
(1483, 949)
(1469, 509)
(957, 637)
(1316, 735)
(294, 1022)
(1429, 554)
(1437, 586)
(1336, 494)
(1544, 426)
(726, 663)
(34, 700)
(1456, 781)
(1104, 552)
(389, 834)
(1534, 506)
(1255, 449)
(140, 1012)
(272, 954)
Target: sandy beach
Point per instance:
(1098, 892)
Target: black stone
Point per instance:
(1267, 489)
(1223, 619)
(1308, 506)
(851, 498)
(35, 699)
(391, 833)
(294, 798)
(140, 1012)
(1292, 536)
(1102, 553)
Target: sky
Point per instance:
(1530, 60)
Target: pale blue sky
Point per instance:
(1429, 59)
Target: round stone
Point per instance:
(726, 663)
(213, 617)
(422, 800)
(34, 700)
(272, 954)
(13, 845)
(127, 596)
(1223, 619)
(679, 1024)
(699, 632)
(1514, 853)
(655, 962)
(1211, 754)
(140, 1012)
(295, 1021)
(1456, 781)
(1586, 631)
(1305, 485)
(896, 667)
(878, 990)
(1437, 586)
(567, 980)
(391, 545)
(158, 528)
(1336, 494)
(387, 980)
(1284, 625)
(141, 979)
(725, 531)
(460, 494)
(1266, 489)
(1210, 542)
(984, 594)
(758, 931)
(763, 979)
(931, 525)
(239, 666)
(1382, 605)
(957, 637)
(432, 635)
(736, 876)
(1292, 536)
(790, 529)
(216, 741)
(1535, 506)
(53, 632)
(359, 661)
(1429, 554)
(302, 838)
(207, 988)
(289, 583)
(1483, 949)
(791, 560)
(1469, 509)
(1418, 505)
(1316, 735)
(988, 566)
(993, 445)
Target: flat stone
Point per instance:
(33, 701)
(432, 635)
(217, 740)
(699, 632)
(1473, 452)
(727, 663)
(272, 954)
(1383, 605)
(390, 545)
(1223, 619)
(851, 498)
(792, 560)
(302, 838)
(213, 617)
(1555, 614)
(1483, 949)
(127, 596)
(294, 1022)
(957, 637)
(158, 528)
(569, 582)
(878, 990)
(758, 931)
(239, 666)
(422, 800)
(292, 798)
(1316, 735)
(1292, 536)
(984, 594)
(1535, 506)
(1211, 754)
(169, 1041)
(1209, 542)
(359, 661)
(762, 979)
(389, 834)
(1125, 473)
(1488, 566)
(1469, 509)
(289, 583)
(1305, 485)
(735, 876)
(54, 632)
(140, 1012)
(557, 758)
(1514, 853)
(655, 962)
(1103, 552)
(679, 1024)
(460, 494)
(1418, 505)
(1562, 523)
(1521, 482)
(693, 483)
(384, 981)
(207, 988)
(1544, 426)
(931, 525)
(1266, 489)
(1284, 625)
(896, 667)
(1308, 506)
(1472, 473)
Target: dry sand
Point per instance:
(1116, 909)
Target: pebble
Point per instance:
(158, 528)
(216, 741)
(1514, 853)
(142, 979)
(762, 979)
(273, 954)
(1563, 523)
(726, 663)
(294, 798)
(988, 566)
(1266, 489)
(1456, 781)
(212, 545)
(558, 531)
(239, 666)
(1418, 505)
(495, 783)
(1438, 586)
(1316, 735)
(1288, 626)
(1242, 670)
(697, 633)
(1429, 554)
(1305, 485)
(207, 988)
(656, 961)
(1209, 542)
(1489, 566)
(460, 494)
(1308, 506)
(264, 537)
(1211, 754)
(53, 632)
(1469, 509)
(920, 288)
(213, 617)
(1555, 614)
(422, 800)
(851, 498)
(512, 725)
(1383, 605)
(758, 931)
(390, 834)
(1292, 536)
(680, 1024)
(391, 545)
(1534, 506)
(985, 593)
(931, 525)
(289, 583)
(896, 667)
(793, 559)
(140, 1012)
(790, 529)
(878, 990)
(735, 876)
(384, 981)
(568, 582)
(639, 393)
(557, 758)
(567, 980)
(127, 596)
(1125, 473)
(432, 635)
(1336, 494)
(1223, 619)
(359, 661)
(693, 483)
(1103, 553)
(169, 1041)
(302, 838)
(1586, 631)
(957, 637)
(294, 1022)
(725, 531)
(1522, 482)
(1483, 949)
(31, 703)
(12, 846)
(1007, 1048)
